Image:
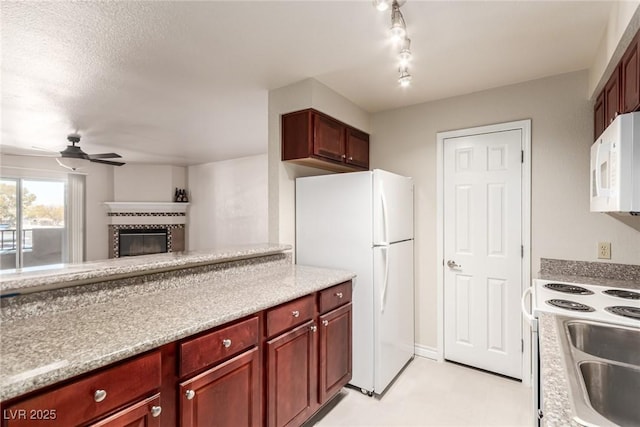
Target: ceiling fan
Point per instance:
(74, 158)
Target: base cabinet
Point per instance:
(275, 368)
(143, 414)
(335, 352)
(291, 378)
(227, 395)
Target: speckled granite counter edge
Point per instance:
(118, 268)
(554, 385)
(598, 272)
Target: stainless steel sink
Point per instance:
(603, 366)
(613, 391)
(607, 342)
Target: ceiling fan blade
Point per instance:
(107, 162)
(33, 147)
(105, 156)
(13, 150)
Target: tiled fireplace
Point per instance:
(140, 228)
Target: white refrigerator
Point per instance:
(363, 222)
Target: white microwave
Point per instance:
(615, 167)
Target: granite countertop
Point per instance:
(587, 280)
(66, 275)
(556, 405)
(44, 349)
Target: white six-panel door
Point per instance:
(482, 251)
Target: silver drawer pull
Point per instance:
(155, 411)
(350, 159)
(325, 323)
(313, 328)
(226, 343)
(190, 394)
(100, 395)
(339, 295)
(295, 313)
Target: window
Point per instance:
(34, 222)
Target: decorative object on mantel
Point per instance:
(180, 195)
(399, 37)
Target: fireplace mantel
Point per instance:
(146, 213)
(146, 207)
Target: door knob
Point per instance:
(452, 264)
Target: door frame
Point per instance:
(525, 127)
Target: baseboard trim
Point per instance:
(427, 352)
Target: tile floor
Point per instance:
(429, 393)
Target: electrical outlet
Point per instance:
(604, 250)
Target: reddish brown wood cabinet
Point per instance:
(630, 77)
(598, 116)
(291, 376)
(143, 414)
(276, 368)
(312, 138)
(227, 395)
(91, 397)
(621, 93)
(612, 97)
(335, 367)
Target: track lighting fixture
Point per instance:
(382, 5)
(405, 77)
(399, 36)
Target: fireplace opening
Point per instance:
(142, 241)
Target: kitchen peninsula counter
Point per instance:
(47, 337)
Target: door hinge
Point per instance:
(522, 346)
(521, 156)
(521, 251)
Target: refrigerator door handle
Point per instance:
(385, 216)
(383, 297)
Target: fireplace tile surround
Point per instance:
(171, 217)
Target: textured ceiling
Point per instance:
(187, 82)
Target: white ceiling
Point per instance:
(187, 82)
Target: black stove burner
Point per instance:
(622, 294)
(625, 311)
(568, 289)
(570, 305)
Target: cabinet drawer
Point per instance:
(200, 352)
(144, 413)
(335, 296)
(91, 397)
(289, 315)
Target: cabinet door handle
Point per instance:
(155, 411)
(190, 394)
(325, 323)
(313, 328)
(344, 156)
(100, 395)
(350, 159)
(339, 295)
(226, 343)
(295, 313)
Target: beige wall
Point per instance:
(147, 183)
(308, 93)
(404, 141)
(228, 203)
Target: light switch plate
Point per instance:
(604, 250)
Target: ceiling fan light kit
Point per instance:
(398, 36)
(73, 158)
